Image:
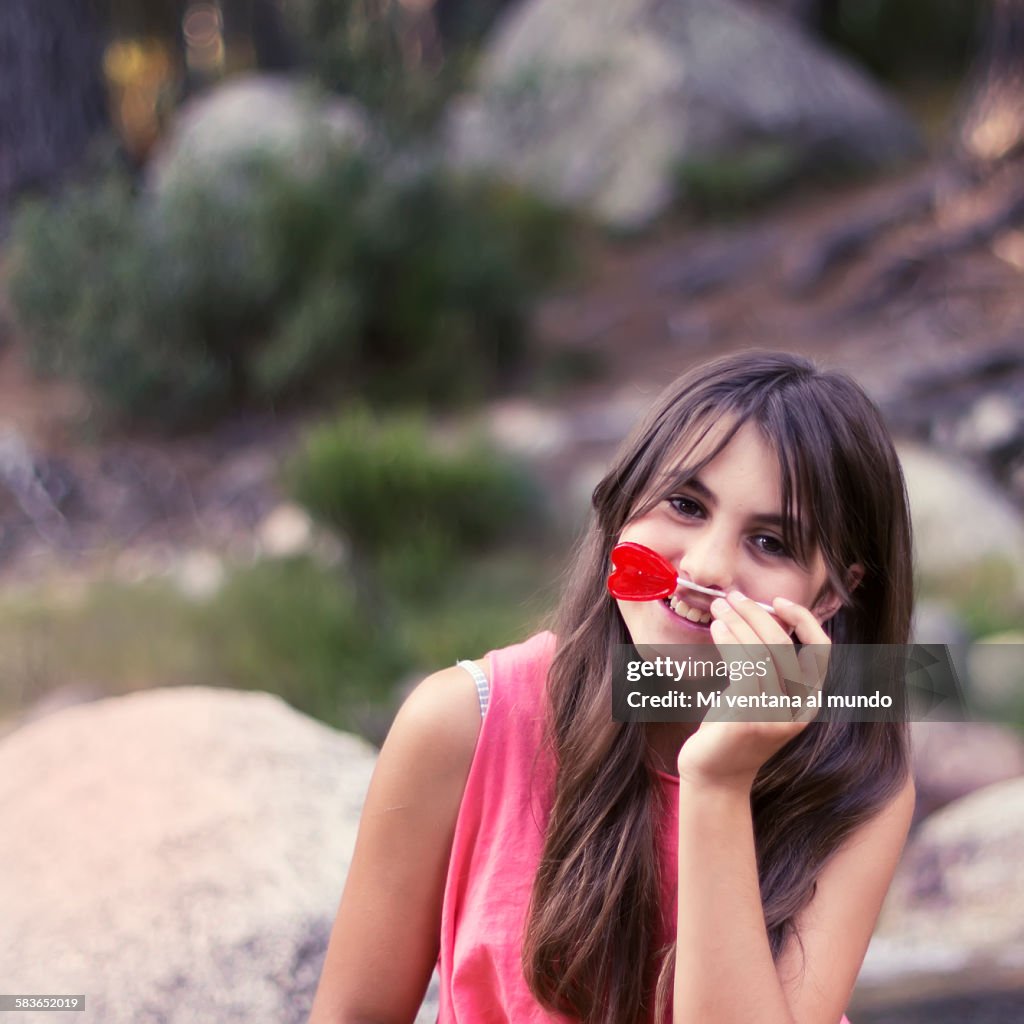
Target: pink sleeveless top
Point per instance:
(497, 845)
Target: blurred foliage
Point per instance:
(411, 509)
(385, 53)
(905, 39)
(106, 637)
(294, 629)
(267, 284)
(85, 284)
(986, 596)
(734, 184)
(495, 599)
(450, 270)
(290, 626)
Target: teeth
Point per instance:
(684, 611)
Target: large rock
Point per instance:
(954, 759)
(249, 116)
(176, 855)
(953, 922)
(961, 521)
(599, 104)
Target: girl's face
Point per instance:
(723, 529)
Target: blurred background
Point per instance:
(320, 319)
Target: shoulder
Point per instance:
(438, 725)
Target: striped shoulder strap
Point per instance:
(483, 687)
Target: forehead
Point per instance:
(723, 444)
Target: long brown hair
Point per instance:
(590, 942)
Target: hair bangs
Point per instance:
(810, 494)
(685, 459)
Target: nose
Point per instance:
(708, 561)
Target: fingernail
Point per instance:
(737, 595)
(719, 604)
(784, 601)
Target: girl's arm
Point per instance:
(385, 939)
(724, 968)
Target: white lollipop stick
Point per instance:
(718, 593)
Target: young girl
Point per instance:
(558, 865)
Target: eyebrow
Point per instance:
(768, 518)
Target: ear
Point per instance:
(830, 601)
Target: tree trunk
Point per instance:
(52, 93)
(991, 127)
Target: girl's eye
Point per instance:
(685, 506)
(770, 545)
(764, 542)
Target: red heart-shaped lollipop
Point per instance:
(640, 574)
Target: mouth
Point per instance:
(679, 608)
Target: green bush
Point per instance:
(451, 269)
(372, 50)
(408, 507)
(733, 184)
(86, 288)
(265, 285)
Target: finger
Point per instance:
(745, 684)
(808, 631)
(730, 646)
(771, 641)
(807, 627)
(765, 624)
(735, 639)
(806, 714)
(746, 636)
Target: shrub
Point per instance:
(383, 53)
(451, 268)
(86, 288)
(733, 184)
(346, 279)
(407, 506)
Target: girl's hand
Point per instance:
(732, 743)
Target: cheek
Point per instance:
(650, 531)
(804, 591)
(636, 616)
